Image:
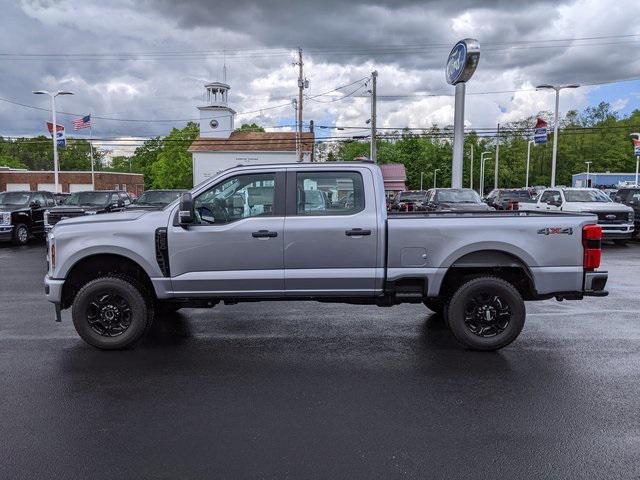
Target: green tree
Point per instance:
(173, 167)
(246, 127)
(12, 162)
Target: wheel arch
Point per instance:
(97, 265)
(495, 262)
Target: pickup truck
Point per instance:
(22, 213)
(247, 235)
(630, 196)
(615, 219)
(90, 202)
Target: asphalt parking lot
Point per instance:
(307, 390)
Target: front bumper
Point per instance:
(594, 283)
(53, 289)
(616, 232)
(6, 233)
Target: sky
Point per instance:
(141, 64)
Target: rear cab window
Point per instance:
(329, 193)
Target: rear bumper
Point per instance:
(594, 283)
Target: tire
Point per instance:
(486, 313)
(21, 234)
(435, 305)
(111, 313)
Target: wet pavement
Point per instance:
(308, 390)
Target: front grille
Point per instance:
(612, 217)
(55, 217)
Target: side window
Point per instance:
(114, 198)
(238, 197)
(329, 193)
(50, 200)
(125, 198)
(551, 196)
(39, 197)
(546, 196)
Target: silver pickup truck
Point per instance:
(263, 233)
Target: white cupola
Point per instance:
(216, 118)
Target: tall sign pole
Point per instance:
(461, 65)
(374, 80)
(636, 151)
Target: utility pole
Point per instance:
(373, 154)
(495, 172)
(435, 177)
(302, 83)
(526, 178)
(636, 136)
(421, 179)
(588, 165)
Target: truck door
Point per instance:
(235, 246)
(330, 247)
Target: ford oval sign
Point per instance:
(462, 61)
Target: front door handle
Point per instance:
(357, 232)
(264, 234)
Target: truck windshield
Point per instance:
(14, 198)
(412, 196)
(87, 198)
(157, 198)
(458, 196)
(586, 196)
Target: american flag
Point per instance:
(83, 122)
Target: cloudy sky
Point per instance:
(139, 63)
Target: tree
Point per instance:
(173, 167)
(246, 127)
(11, 162)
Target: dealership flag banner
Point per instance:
(61, 138)
(636, 147)
(540, 132)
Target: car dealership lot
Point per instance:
(299, 390)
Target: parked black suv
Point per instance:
(89, 202)
(410, 201)
(455, 199)
(155, 199)
(22, 215)
(508, 198)
(630, 196)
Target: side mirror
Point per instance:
(35, 204)
(185, 210)
(618, 199)
(120, 203)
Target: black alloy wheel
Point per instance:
(487, 315)
(108, 314)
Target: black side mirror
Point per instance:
(35, 204)
(185, 210)
(120, 203)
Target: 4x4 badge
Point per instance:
(555, 231)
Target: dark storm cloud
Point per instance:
(408, 41)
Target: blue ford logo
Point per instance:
(456, 62)
(462, 61)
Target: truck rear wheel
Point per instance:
(486, 313)
(111, 313)
(21, 234)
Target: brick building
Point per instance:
(17, 179)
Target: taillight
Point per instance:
(591, 241)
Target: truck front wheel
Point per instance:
(486, 313)
(110, 313)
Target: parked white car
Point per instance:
(615, 219)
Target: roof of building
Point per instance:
(393, 172)
(247, 141)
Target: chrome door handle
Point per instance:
(264, 234)
(357, 232)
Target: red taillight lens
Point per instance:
(591, 241)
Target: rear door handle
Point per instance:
(357, 232)
(264, 234)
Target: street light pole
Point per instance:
(554, 155)
(482, 161)
(55, 131)
(421, 178)
(526, 182)
(435, 176)
(471, 170)
(588, 164)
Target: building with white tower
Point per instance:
(219, 146)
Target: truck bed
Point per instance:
(489, 214)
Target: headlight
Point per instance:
(5, 218)
(46, 217)
(51, 242)
(631, 216)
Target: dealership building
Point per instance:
(12, 179)
(606, 180)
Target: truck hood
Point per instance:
(123, 216)
(7, 208)
(595, 207)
